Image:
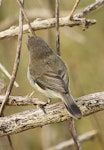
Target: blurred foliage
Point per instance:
(83, 54)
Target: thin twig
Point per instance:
(97, 4)
(71, 122)
(0, 2)
(73, 9)
(22, 101)
(32, 14)
(4, 102)
(73, 132)
(82, 138)
(57, 29)
(7, 74)
(10, 142)
(16, 64)
(14, 72)
(26, 18)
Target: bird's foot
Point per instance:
(42, 106)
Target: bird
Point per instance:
(48, 74)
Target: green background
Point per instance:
(82, 51)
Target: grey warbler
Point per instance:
(48, 74)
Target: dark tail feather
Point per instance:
(71, 106)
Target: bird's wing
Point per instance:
(53, 82)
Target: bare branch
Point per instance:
(71, 120)
(22, 101)
(0, 2)
(16, 64)
(54, 113)
(73, 9)
(44, 24)
(57, 28)
(25, 16)
(74, 134)
(90, 8)
(86, 11)
(7, 74)
(82, 138)
(15, 68)
(32, 14)
(50, 23)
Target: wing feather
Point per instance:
(52, 81)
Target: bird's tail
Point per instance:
(71, 106)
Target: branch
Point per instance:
(21, 101)
(43, 24)
(25, 16)
(50, 23)
(0, 2)
(7, 74)
(57, 14)
(32, 14)
(71, 120)
(84, 137)
(73, 9)
(14, 72)
(74, 134)
(16, 63)
(90, 8)
(54, 113)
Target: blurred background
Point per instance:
(83, 52)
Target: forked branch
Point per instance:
(39, 24)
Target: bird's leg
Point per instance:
(42, 106)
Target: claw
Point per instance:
(42, 106)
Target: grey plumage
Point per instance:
(48, 73)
